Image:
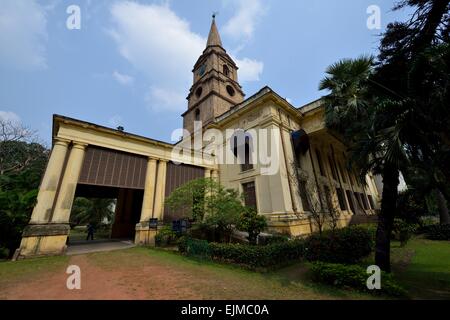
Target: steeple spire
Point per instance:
(214, 37)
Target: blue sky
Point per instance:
(130, 62)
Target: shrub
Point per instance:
(255, 257)
(250, 256)
(183, 244)
(437, 231)
(274, 238)
(427, 221)
(371, 228)
(253, 223)
(346, 245)
(403, 231)
(353, 276)
(4, 253)
(165, 236)
(203, 231)
(194, 247)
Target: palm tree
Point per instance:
(92, 211)
(373, 133)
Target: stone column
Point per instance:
(69, 184)
(207, 173)
(145, 235)
(149, 192)
(43, 209)
(158, 209)
(215, 175)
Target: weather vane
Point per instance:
(215, 13)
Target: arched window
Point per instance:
(197, 115)
(226, 70)
(198, 92)
(230, 90)
(242, 146)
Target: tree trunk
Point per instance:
(444, 218)
(386, 218)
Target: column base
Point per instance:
(301, 225)
(43, 240)
(145, 235)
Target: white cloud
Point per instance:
(23, 34)
(9, 116)
(161, 45)
(242, 25)
(249, 69)
(160, 99)
(158, 43)
(123, 79)
(115, 121)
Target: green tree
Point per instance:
(253, 223)
(414, 63)
(208, 202)
(362, 118)
(22, 163)
(396, 115)
(92, 211)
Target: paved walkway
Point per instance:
(83, 246)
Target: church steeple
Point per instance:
(214, 36)
(215, 87)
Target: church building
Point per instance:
(306, 163)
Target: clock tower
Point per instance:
(215, 85)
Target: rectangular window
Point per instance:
(319, 160)
(364, 201)
(333, 169)
(249, 194)
(358, 199)
(344, 179)
(372, 204)
(350, 200)
(247, 165)
(341, 198)
(304, 196)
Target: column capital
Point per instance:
(79, 145)
(151, 159)
(61, 141)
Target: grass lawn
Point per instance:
(26, 270)
(422, 267)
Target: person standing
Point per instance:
(90, 232)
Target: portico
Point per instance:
(86, 157)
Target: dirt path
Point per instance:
(143, 274)
(95, 284)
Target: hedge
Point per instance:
(347, 245)
(437, 231)
(355, 277)
(249, 256)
